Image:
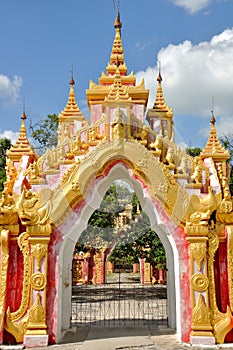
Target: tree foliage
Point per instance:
(193, 151)
(44, 132)
(5, 144)
(127, 243)
(227, 142)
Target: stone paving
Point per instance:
(137, 338)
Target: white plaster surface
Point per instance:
(33, 341)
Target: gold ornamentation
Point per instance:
(39, 250)
(3, 269)
(199, 209)
(198, 251)
(199, 282)
(98, 264)
(33, 174)
(35, 208)
(38, 281)
(36, 315)
(230, 262)
(104, 154)
(201, 315)
(223, 327)
(197, 174)
(17, 329)
(75, 186)
(8, 211)
(222, 322)
(24, 247)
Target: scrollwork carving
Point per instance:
(38, 281)
(199, 282)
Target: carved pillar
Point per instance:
(201, 315)
(97, 279)
(36, 327)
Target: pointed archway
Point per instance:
(120, 167)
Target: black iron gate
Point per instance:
(119, 304)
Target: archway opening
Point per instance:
(158, 223)
(119, 266)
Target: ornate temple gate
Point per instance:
(48, 200)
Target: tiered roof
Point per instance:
(117, 91)
(22, 146)
(160, 107)
(71, 110)
(213, 146)
(97, 93)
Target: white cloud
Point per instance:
(192, 6)
(9, 89)
(9, 134)
(193, 74)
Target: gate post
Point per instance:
(202, 330)
(36, 327)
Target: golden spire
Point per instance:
(71, 110)
(213, 147)
(160, 105)
(97, 93)
(22, 146)
(117, 54)
(117, 92)
(161, 112)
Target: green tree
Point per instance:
(5, 144)
(227, 142)
(100, 230)
(44, 132)
(132, 240)
(137, 240)
(193, 151)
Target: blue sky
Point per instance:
(193, 39)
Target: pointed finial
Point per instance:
(117, 9)
(159, 78)
(72, 82)
(117, 22)
(23, 116)
(212, 120)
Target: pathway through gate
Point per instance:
(121, 301)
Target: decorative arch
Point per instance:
(81, 194)
(142, 164)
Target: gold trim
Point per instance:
(199, 282)
(230, 262)
(38, 281)
(24, 247)
(3, 269)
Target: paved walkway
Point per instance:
(139, 338)
(107, 338)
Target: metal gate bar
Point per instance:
(114, 305)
